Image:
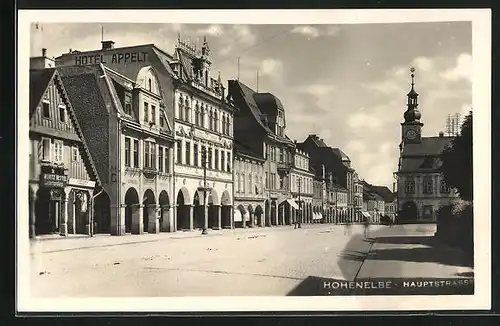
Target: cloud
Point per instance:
(318, 90)
(355, 146)
(462, 69)
(271, 67)
(312, 32)
(362, 119)
(244, 34)
(212, 30)
(423, 64)
(308, 31)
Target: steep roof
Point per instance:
(267, 102)
(384, 192)
(242, 149)
(343, 156)
(430, 146)
(92, 102)
(39, 81)
(338, 188)
(248, 96)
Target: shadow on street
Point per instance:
(432, 251)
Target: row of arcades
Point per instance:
(70, 213)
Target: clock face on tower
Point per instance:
(411, 134)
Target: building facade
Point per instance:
(203, 124)
(301, 185)
(133, 148)
(317, 201)
(199, 118)
(421, 189)
(358, 198)
(62, 175)
(260, 125)
(249, 195)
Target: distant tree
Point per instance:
(457, 161)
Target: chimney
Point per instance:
(441, 134)
(107, 45)
(44, 52)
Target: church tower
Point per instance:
(411, 128)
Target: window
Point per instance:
(228, 162)
(216, 122)
(223, 160)
(428, 185)
(153, 155)
(149, 84)
(146, 155)
(75, 155)
(197, 115)
(267, 180)
(237, 182)
(195, 155)
(209, 156)
(188, 153)
(217, 159)
(257, 185)
(186, 111)
(228, 123)
(136, 153)
(281, 155)
(160, 158)
(46, 152)
(62, 113)
(146, 112)
(127, 151)
(181, 108)
(444, 188)
(153, 114)
(58, 151)
(211, 121)
(224, 125)
(128, 103)
(46, 109)
(243, 182)
(178, 158)
(167, 160)
(202, 117)
(410, 187)
(250, 190)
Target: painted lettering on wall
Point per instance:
(120, 57)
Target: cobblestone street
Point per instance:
(267, 261)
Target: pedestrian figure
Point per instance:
(347, 228)
(366, 225)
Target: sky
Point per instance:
(345, 83)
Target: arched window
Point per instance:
(237, 182)
(202, 116)
(224, 124)
(181, 108)
(149, 84)
(197, 115)
(228, 124)
(216, 121)
(186, 111)
(250, 184)
(211, 120)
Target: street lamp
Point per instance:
(299, 181)
(205, 189)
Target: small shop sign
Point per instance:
(54, 180)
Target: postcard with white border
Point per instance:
(256, 160)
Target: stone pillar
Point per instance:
(171, 219)
(252, 219)
(231, 216)
(117, 217)
(290, 213)
(63, 211)
(191, 211)
(137, 219)
(32, 212)
(205, 212)
(174, 218)
(153, 220)
(121, 217)
(218, 210)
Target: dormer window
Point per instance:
(128, 103)
(46, 109)
(62, 113)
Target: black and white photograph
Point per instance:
(253, 160)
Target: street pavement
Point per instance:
(241, 262)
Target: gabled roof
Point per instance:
(40, 80)
(319, 142)
(340, 154)
(384, 192)
(248, 96)
(430, 146)
(268, 103)
(244, 150)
